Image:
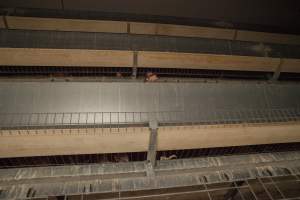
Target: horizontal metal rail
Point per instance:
(141, 119)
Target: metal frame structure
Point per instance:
(254, 176)
(186, 140)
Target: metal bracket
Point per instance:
(153, 124)
(149, 169)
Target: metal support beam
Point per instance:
(151, 156)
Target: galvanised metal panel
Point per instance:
(129, 102)
(112, 41)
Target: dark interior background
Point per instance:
(279, 13)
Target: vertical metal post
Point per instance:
(277, 71)
(62, 4)
(5, 22)
(135, 65)
(151, 154)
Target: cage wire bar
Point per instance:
(265, 188)
(126, 73)
(71, 120)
